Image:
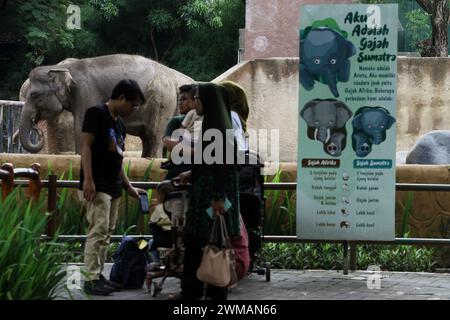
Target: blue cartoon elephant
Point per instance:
(369, 128)
(324, 57)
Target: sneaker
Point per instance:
(111, 284)
(97, 288)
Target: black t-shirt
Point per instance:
(107, 149)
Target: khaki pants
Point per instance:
(101, 215)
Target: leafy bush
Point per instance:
(330, 256)
(30, 267)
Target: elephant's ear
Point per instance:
(390, 121)
(24, 90)
(343, 113)
(357, 122)
(307, 112)
(61, 79)
(351, 49)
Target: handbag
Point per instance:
(218, 265)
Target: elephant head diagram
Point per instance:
(326, 119)
(324, 57)
(369, 128)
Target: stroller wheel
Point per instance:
(267, 265)
(156, 289)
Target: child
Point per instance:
(160, 222)
(193, 125)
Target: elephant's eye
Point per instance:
(317, 61)
(333, 61)
(381, 127)
(369, 126)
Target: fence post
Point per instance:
(353, 256)
(51, 205)
(345, 264)
(34, 185)
(7, 183)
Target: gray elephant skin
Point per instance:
(431, 148)
(369, 128)
(324, 57)
(326, 120)
(77, 84)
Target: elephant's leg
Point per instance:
(77, 122)
(146, 146)
(306, 79)
(344, 71)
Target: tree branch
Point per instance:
(426, 5)
(172, 42)
(155, 49)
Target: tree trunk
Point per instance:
(439, 22)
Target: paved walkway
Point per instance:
(316, 285)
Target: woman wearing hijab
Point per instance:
(239, 112)
(212, 185)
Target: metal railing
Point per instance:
(350, 247)
(9, 118)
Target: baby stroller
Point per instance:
(172, 252)
(252, 205)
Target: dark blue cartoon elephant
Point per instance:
(324, 57)
(369, 128)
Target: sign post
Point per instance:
(347, 122)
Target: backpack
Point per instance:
(129, 264)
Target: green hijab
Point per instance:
(238, 101)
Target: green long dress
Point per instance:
(213, 181)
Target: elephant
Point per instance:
(373, 121)
(369, 128)
(326, 119)
(324, 57)
(77, 84)
(431, 148)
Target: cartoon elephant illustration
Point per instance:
(324, 57)
(373, 121)
(326, 119)
(369, 127)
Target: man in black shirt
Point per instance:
(102, 177)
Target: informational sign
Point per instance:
(347, 122)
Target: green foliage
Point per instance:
(281, 212)
(329, 256)
(196, 37)
(418, 23)
(406, 214)
(30, 268)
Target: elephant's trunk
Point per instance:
(376, 139)
(26, 125)
(322, 134)
(332, 82)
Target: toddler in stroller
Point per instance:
(166, 225)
